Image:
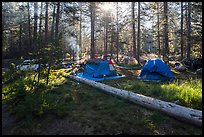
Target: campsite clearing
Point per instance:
(74, 108)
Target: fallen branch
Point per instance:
(182, 113)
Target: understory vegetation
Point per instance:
(186, 92)
(99, 112)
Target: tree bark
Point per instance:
(182, 113)
(29, 28)
(40, 24)
(133, 30)
(111, 50)
(189, 31)
(92, 8)
(53, 21)
(106, 36)
(158, 28)
(166, 41)
(48, 73)
(57, 20)
(40, 45)
(46, 24)
(117, 39)
(181, 30)
(35, 25)
(138, 35)
(20, 39)
(80, 28)
(46, 37)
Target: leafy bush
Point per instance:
(29, 100)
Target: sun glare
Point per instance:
(106, 6)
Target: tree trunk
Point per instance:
(106, 36)
(80, 26)
(158, 28)
(40, 24)
(35, 25)
(46, 37)
(166, 42)
(181, 30)
(138, 35)
(188, 115)
(53, 21)
(92, 8)
(73, 55)
(48, 73)
(117, 39)
(57, 20)
(40, 45)
(111, 50)
(39, 74)
(20, 39)
(46, 24)
(186, 33)
(133, 30)
(189, 31)
(29, 28)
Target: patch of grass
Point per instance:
(100, 112)
(28, 101)
(188, 91)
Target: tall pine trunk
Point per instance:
(133, 30)
(158, 28)
(57, 20)
(106, 36)
(92, 8)
(40, 45)
(181, 30)
(138, 35)
(80, 26)
(189, 31)
(166, 46)
(40, 24)
(35, 25)
(111, 50)
(20, 39)
(53, 21)
(117, 39)
(46, 37)
(29, 28)
(46, 24)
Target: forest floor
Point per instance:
(46, 126)
(93, 112)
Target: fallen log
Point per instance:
(182, 113)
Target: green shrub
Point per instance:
(29, 107)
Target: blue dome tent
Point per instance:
(156, 70)
(98, 70)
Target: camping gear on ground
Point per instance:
(70, 64)
(156, 70)
(97, 70)
(199, 71)
(129, 60)
(194, 63)
(179, 67)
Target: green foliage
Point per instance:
(29, 101)
(188, 91)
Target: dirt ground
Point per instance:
(45, 126)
